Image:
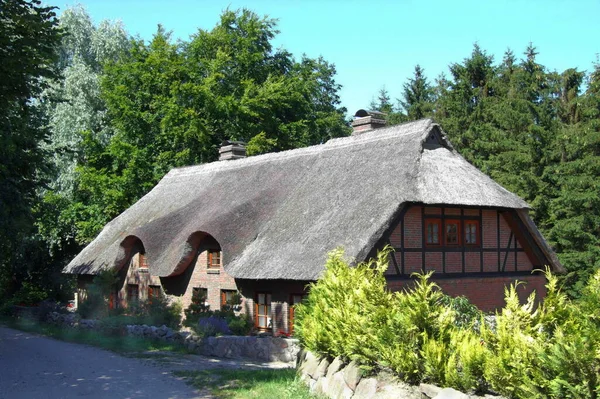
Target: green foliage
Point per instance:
(417, 96)
(29, 295)
(240, 325)
(534, 131)
(28, 36)
(535, 350)
(157, 312)
(466, 364)
(466, 314)
(226, 318)
(95, 305)
(513, 345)
(219, 322)
(197, 308)
(326, 326)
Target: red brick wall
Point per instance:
(412, 238)
(413, 228)
(213, 280)
(487, 293)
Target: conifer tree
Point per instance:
(417, 96)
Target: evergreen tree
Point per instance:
(417, 96)
(574, 212)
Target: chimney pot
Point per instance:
(232, 150)
(365, 121)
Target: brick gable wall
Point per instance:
(480, 272)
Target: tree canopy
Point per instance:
(28, 36)
(101, 116)
(533, 130)
(91, 118)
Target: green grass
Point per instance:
(246, 384)
(121, 344)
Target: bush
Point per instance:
(465, 366)
(160, 311)
(29, 295)
(240, 325)
(197, 309)
(347, 310)
(466, 313)
(96, 303)
(547, 350)
(235, 324)
(212, 326)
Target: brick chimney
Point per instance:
(232, 150)
(367, 120)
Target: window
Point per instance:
(294, 300)
(452, 232)
(229, 298)
(214, 259)
(132, 292)
(432, 231)
(199, 294)
(471, 232)
(199, 300)
(154, 291)
(262, 311)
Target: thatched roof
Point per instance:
(276, 216)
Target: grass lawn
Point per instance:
(121, 344)
(246, 384)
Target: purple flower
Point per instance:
(213, 325)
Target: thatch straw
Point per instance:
(276, 216)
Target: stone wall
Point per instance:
(274, 349)
(338, 380)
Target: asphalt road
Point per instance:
(33, 366)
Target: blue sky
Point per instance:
(376, 43)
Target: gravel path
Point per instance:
(33, 366)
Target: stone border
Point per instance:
(338, 380)
(273, 349)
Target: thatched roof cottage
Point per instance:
(263, 225)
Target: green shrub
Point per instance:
(436, 354)
(567, 359)
(535, 350)
(346, 310)
(466, 314)
(513, 345)
(197, 309)
(465, 366)
(96, 303)
(549, 352)
(418, 330)
(162, 312)
(29, 294)
(225, 322)
(240, 325)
